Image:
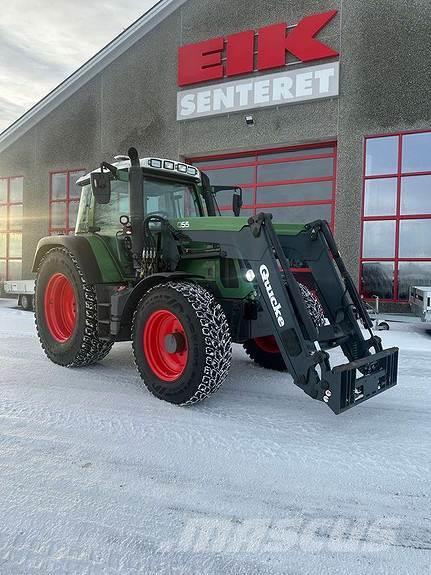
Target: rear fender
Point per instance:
(82, 250)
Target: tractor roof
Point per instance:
(161, 165)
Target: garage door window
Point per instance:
(396, 215)
(64, 198)
(296, 185)
(11, 210)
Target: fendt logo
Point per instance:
(264, 274)
(204, 61)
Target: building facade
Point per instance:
(316, 108)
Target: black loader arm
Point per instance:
(369, 369)
(367, 374)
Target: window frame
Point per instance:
(54, 230)
(258, 158)
(397, 217)
(7, 231)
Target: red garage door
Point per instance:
(296, 185)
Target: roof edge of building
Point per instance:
(89, 70)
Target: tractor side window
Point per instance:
(82, 220)
(170, 199)
(107, 216)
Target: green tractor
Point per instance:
(153, 261)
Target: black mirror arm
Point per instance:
(110, 168)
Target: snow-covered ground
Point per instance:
(97, 476)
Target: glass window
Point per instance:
(247, 212)
(231, 176)
(412, 274)
(382, 156)
(59, 186)
(16, 190)
(295, 154)
(65, 194)
(415, 238)
(379, 239)
(170, 199)
(15, 217)
(11, 193)
(73, 212)
(224, 161)
(224, 197)
(3, 190)
(289, 165)
(3, 245)
(3, 218)
(74, 189)
(380, 197)
(294, 193)
(378, 279)
(108, 216)
(295, 170)
(58, 215)
(84, 208)
(407, 199)
(416, 195)
(14, 269)
(15, 245)
(299, 214)
(417, 152)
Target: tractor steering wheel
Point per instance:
(160, 213)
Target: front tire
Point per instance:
(66, 312)
(181, 342)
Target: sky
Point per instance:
(44, 41)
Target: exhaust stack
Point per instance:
(136, 195)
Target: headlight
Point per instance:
(182, 168)
(250, 276)
(169, 165)
(155, 163)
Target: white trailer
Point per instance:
(24, 289)
(420, 306)
(420, 302)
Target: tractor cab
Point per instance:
(172, 190)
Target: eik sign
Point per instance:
(251, 52)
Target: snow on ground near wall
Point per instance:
(97, 476)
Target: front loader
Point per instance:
(153, 261)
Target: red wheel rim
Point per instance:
(60, 307)
(267, 344)
(167, 365)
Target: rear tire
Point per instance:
(181, 342)
(264, 350)
(66, 312)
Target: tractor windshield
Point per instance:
(170, 199)
(165, 198)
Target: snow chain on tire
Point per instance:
(92, 348)
(215, 329)
(275, 360)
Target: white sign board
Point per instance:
(298, 85)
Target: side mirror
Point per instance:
(236, 192)
(237, 202)
(101, 186)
